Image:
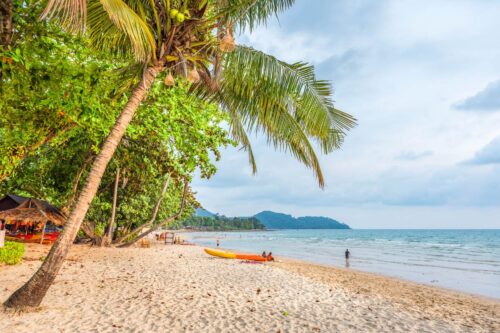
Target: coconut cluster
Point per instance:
(178, 16)
(193, 40)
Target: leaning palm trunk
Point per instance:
(32, 293)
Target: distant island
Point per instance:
(274, 220)
(206, 221)
(203, 219)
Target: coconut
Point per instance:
(173, 13)
(169, 80)
(179, 18)
(227, 44)
(193, 76)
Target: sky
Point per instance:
(423, 80)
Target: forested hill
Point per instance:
(274, 220)
(204, 213)
(263, 220)
(218, 222)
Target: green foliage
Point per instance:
(258, 91)
(222, 223)
(60, 98)
(54, 88)
(59, 101)
(12, 253)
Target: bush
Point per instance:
(11, 253)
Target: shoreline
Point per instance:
(399, 290)
(289, 261)
(457, 261)
(179, 288)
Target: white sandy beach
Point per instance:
(181, 289)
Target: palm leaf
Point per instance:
(250, 13)
(281, 128)
(294, 85)
(286, 134)
(239, 134)
(105, 29)
(71, 13)
(285, 101)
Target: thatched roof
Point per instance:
(33, 210)
(17, 198)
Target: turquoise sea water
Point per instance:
(465, 260)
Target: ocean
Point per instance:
(463, 260)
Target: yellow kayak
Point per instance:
(219, 253)
(242, 256)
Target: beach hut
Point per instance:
(30, 220)
(11, 201)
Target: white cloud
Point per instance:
(399, 67)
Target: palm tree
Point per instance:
(194, 39)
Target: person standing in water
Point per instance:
(218, 242)
(347, 256)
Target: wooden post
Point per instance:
(2, 233)
(43, 232)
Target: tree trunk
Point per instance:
(165, 221)
(155, 211)
(32, 292)
(76, 182)
(6, 8)
(88, 228)
(109, 236)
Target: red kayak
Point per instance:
(253, 257)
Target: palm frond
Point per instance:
(333, 141)
(239, 134)
(250, 13)
(281, 128)
(104, 35)
(285, 101)
(105, 29)
(286, 134)
(256, 74)
(71, 13)
(341, 119)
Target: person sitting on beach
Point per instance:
(264, 254)
(270, 257)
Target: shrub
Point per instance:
(11, 253)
